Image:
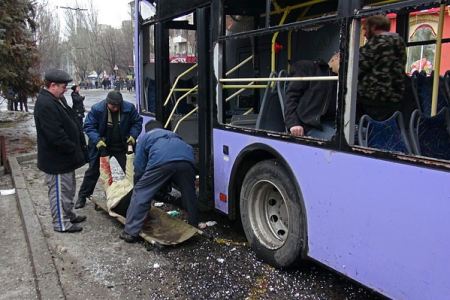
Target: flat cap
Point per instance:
(114, 98)
(57, 76)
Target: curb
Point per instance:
(48, 285)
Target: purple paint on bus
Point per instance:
(384, 224)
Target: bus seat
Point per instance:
(271, 113)
(281, 88)
(409, 103)
(431, 135)
(386, 135)
(244, 120)
(188, 128)
(183, 107)
(423, 90)
(447, 85)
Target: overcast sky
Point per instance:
(111, 12)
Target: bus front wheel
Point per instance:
(271, 214)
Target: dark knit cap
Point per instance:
(57, 76)
(114, 98)
(74, 87)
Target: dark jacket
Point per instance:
(77, 104)
(60, 140)
(382, 71)
(157, 147)
(307, 101)
(96, 120)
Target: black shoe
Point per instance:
(78, 219)
(127, 237)
(81, 202)
(72, 229)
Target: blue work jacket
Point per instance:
(157, 147)
(95, 125)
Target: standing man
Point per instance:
(78, 103)
(161, 157)
(61, 149)
(381, 69)
(111, 123)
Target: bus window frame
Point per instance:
(350, 100)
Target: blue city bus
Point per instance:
(373, 212)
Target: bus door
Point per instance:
(173, 80)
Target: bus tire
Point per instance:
(271, 214)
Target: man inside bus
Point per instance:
(381, 70)
(310, 106)
(161, 157)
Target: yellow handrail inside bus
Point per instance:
(313, 78)
(248, 111)
(281, 10)
(176, 82)
(385, 2)
(274, 38)
(183, 118)
(437, 61)
(243, 86)
(239, 65)
(178, 101)
(238, 92)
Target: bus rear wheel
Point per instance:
(271, 214)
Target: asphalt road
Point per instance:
(92, 96)
(96, 264)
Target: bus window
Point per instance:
(147, 100)
(420, 58)
(237, 24)
(423, 28)
(414, 105)
(258, 104)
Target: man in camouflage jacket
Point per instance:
(381, 70)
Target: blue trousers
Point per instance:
(182, 173)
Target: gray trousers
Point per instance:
(182, 173)
(61, 191)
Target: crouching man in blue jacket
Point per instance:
(161, 157)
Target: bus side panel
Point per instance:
(381, 223)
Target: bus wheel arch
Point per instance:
(272, 212)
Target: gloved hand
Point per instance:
(131, 140)
(101, 144)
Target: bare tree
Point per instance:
(108, 49)
(94, 39)
(125, 49)
(78, 39)
(47, 37)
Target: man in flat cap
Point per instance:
(111, 123)
(61, 149)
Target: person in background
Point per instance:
(161, 157)
(310, 106)
(381, 70)
(61, 149)
(111, 123)
(78, 103)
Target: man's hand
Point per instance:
(131, 140)
(101, 144)
(297, 130)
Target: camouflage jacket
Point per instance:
(382, 70)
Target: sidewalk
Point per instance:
(28, 269)
(16, 273)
